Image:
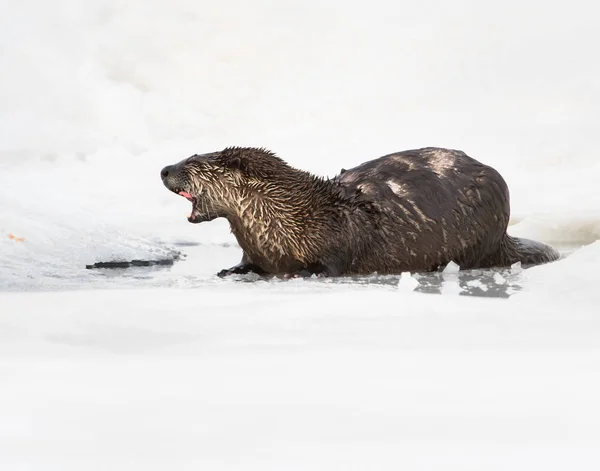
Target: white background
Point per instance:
(180, 370)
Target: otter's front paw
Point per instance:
(225, 272)
(241, 269)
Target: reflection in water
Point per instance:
(492, 283)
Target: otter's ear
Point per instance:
(236, 163)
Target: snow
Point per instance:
(262, 378)
(174, 368)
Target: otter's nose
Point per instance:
(164, 173)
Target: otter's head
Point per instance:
(218, 182)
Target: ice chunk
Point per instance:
(475, 283)
(516, 267)
(407, 282)
(451, 282)
(498, 278)
(451, 268)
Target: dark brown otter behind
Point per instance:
(415, 210)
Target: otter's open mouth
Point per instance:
(200, 211)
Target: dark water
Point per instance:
(494, 283)
(194, 266)
(490, 283)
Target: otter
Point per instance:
(415, 210)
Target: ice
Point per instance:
(574, 279)
(254, 376)
(477, 284)
(175, 368)
(498, 278)
(451, 268)
(450, 280)
(407, 282)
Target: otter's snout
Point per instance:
(165, 172)
(171, 177)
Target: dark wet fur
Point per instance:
(415, 210)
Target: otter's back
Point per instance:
(452, 203)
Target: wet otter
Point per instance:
(415, 210)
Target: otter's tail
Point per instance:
(532, 252)
(515, 249)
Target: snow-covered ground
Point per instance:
(173, 368)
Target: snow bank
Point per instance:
(572, 280)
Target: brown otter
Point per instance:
(415, 210)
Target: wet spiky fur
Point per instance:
(410, 211)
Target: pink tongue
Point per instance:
(185, 194)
